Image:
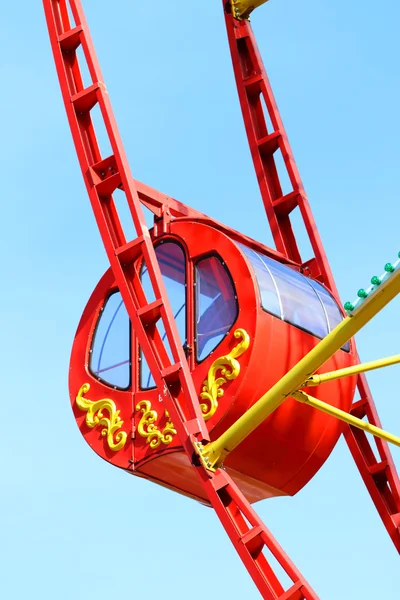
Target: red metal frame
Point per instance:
(379, 474)
(103, 176)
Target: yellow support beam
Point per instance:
(241, 9)
(346, 417)
(362, 368)
(214, 453)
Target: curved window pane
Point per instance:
(216, 305)
(301, 305)
(294, 298)
(172, 261)
(332, 310)
(110, 355)
(270, 299)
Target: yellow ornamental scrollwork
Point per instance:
(115, 439)
(149, 430)
(229, 368)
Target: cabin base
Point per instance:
(174, 471)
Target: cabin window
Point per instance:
(294, 298)
(172, 261)
(332, 310)
(301, 305)
(216, 305)
(110, 352)
(270, 298)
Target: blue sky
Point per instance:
(72, 527)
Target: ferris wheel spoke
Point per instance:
(103, 177)
(378, 473)
(254, 542)
(267, 139)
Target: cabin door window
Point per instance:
(172, 261)
(110, 353)
(216, 305)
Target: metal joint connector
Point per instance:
(241, 9)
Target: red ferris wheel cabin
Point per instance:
(194, 322)
(245, 317)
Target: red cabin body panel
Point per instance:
(286, 451)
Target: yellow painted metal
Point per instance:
(346, 417)
(362, 368)
(115, 439)
(241, 9)
(148, 429)
(215, 452)
(228, 369)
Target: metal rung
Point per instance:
(311, 267)
(378, 471)
(150, 314)
(251, 534)
(269, 144)
(359, 408)
(71, 40)
(105, 167)
(85, 100)
(283, 206)
(293, 593)
(253, 541)
(130, 252)
(108, 186)
(219, 482)
(171, 374)
(396, 520)
(253, 84)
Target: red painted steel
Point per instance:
(285, 451)
(175, 386)
(255, 95)
(103, 176)
(379, 474)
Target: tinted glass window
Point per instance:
(294, 298)
(110, 355)
(172, 261)
(270, 298)
(333, 313)
(216, 305)
(300, 304)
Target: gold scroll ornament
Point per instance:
(94, 417)
(212, 390)
(147, 428)
(229, 368)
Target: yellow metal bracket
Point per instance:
(346, 417)
(216, 451)
(241, 9)
(362, 368)
(203, 456)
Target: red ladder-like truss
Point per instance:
(103, 176)
(379, 475)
